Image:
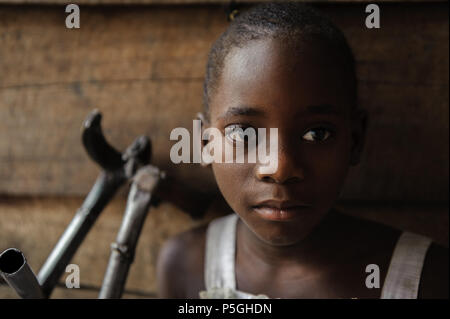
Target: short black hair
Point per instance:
(294, 22)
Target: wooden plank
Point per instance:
(112, 45)
(125, 44)
(65, 168)
(143, 68)
(34, 224)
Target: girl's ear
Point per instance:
(204, 124)
(359, 129)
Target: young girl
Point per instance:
(285, 66)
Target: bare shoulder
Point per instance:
(434, 280)
(179, 269)
(180, 264)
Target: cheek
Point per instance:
(232, 180)
(328, 168)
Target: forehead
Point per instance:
(281, 76)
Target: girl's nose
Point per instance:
(289, 169)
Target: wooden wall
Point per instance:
(143, 66)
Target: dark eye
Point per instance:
(240, 134)
(317, 134)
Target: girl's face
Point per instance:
(305, 94)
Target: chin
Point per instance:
(279, 234)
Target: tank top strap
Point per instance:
(220, 253)
(403, 276)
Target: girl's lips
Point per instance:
(280, 214)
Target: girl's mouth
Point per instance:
(280, 211)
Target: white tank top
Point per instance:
(401, 282)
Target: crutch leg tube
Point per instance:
(100, 194)
(17, 273)
(123, 249)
